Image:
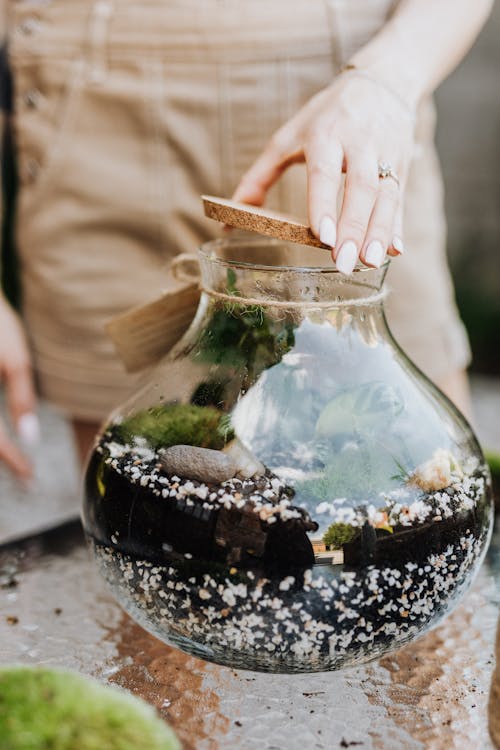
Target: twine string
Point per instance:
(306, 304)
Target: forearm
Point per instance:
(422, 43)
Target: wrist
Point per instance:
(391, 58)
(406, 103)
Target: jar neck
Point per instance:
(255, 272)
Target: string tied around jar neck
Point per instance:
(186, 268)
(299, 304)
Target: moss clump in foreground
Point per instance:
(45, 709)
(178, 424)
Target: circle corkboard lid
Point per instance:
(261, 220)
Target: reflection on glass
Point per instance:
(289, 493)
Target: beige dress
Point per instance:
(126, 111)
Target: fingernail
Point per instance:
(398, 245)
(347, 257)
(375, 254)
(327, 231)
(28, 428)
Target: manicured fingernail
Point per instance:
(28, 428)
(347, 257)
(375, 254)
(398, 245)
(327, 231)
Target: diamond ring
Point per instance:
(386, 171)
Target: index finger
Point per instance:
(324, 173)
(280, 153)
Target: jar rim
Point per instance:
(208, 251)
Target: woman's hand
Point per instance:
(16, 376)
(353, 126)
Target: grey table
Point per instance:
(431, 694)
(55, 610)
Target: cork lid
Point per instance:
(261, 220)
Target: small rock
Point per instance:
(202, 464)
(437, 473)
(247, 465)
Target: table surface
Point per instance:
(434, 693)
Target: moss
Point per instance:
(241, 336)
(43, 708)
(338, 534)
(209, 393)
(178, 424)
(357, 473)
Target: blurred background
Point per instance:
(469, 146)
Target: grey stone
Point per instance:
(202, 464)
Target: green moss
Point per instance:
(241, 336)
(178, 424)
(209, 393)
(338, 534)
(244, 337)
(44, 709)
(357, 473)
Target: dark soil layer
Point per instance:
(227, 571)
(140, 523)
(132, 518)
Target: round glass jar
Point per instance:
(288, 492)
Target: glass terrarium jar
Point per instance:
(289, 492)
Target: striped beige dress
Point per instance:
(125, 112)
